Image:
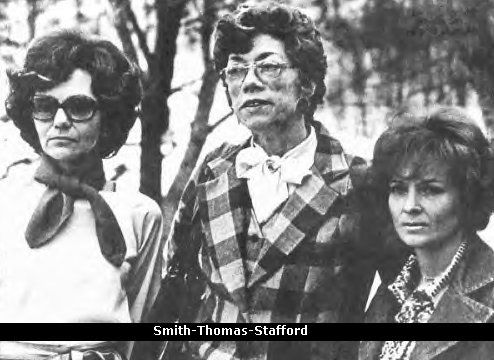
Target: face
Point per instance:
(259, 103)
(61, 138)
(425, 208)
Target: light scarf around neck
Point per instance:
(271, 179)
(417, 305)
(57, 205)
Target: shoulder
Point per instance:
(219, 160)
(325, 142)
(477, 270)
(224, 151)
(132, 203)
(19, 190)
(138, 216)
(358, 169)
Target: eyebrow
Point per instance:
(261, 56)
(426, 181)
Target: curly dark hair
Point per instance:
(446, 135)
(51, 59)
(303, 46)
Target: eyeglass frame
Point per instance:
(61, 105)
(255, 65)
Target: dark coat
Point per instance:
(468, 299)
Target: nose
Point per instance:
(412, 202)
(61, 121)
(251, 81)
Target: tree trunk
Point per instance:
(154, 123)
(121, 25)
(33, 13)
(199, 127)
(198, 135)
(155, 112)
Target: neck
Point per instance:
(280, 138)
(434, 260)
(74, 167)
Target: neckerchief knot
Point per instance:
(57, 205)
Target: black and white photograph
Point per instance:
(247, 169)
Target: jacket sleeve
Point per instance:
(179, 247)
(181, 230)
(180, 285)
(145, 275)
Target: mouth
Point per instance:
(252, 103)
(413, 225)
(61, 138)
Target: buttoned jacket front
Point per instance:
(468, 299)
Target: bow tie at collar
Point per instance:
(253, 161)
(291, 168)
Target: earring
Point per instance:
(302, 105)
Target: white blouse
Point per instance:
(68, 279)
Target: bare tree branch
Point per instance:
(192, 21)
(219, 122)
(185, 84)
(25, 161)
(119, 171)
(8, 41)
(157, 85)
(34, 10)
(120, 22)
(199, 126)
(141, 36)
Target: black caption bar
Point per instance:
(239, 332)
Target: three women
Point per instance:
(270, 228)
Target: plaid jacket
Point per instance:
(313, 265)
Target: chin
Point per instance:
(63, 155)
(256, 123)
(420, 241)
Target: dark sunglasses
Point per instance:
(78, 108)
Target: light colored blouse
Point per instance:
(68, 279)
(271, 179)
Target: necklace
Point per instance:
(409, 297)
(435, 284)
(416, 305)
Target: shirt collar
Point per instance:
(302, 155)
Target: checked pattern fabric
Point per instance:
(301, 270)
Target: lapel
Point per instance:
(224, 204)
(306, 208)
(457, 305)
(381, 310)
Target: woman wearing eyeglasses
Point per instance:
(433, 179)
(73, 248)
(267, 227)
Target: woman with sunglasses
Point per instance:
(73, 248)
(433, 178)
